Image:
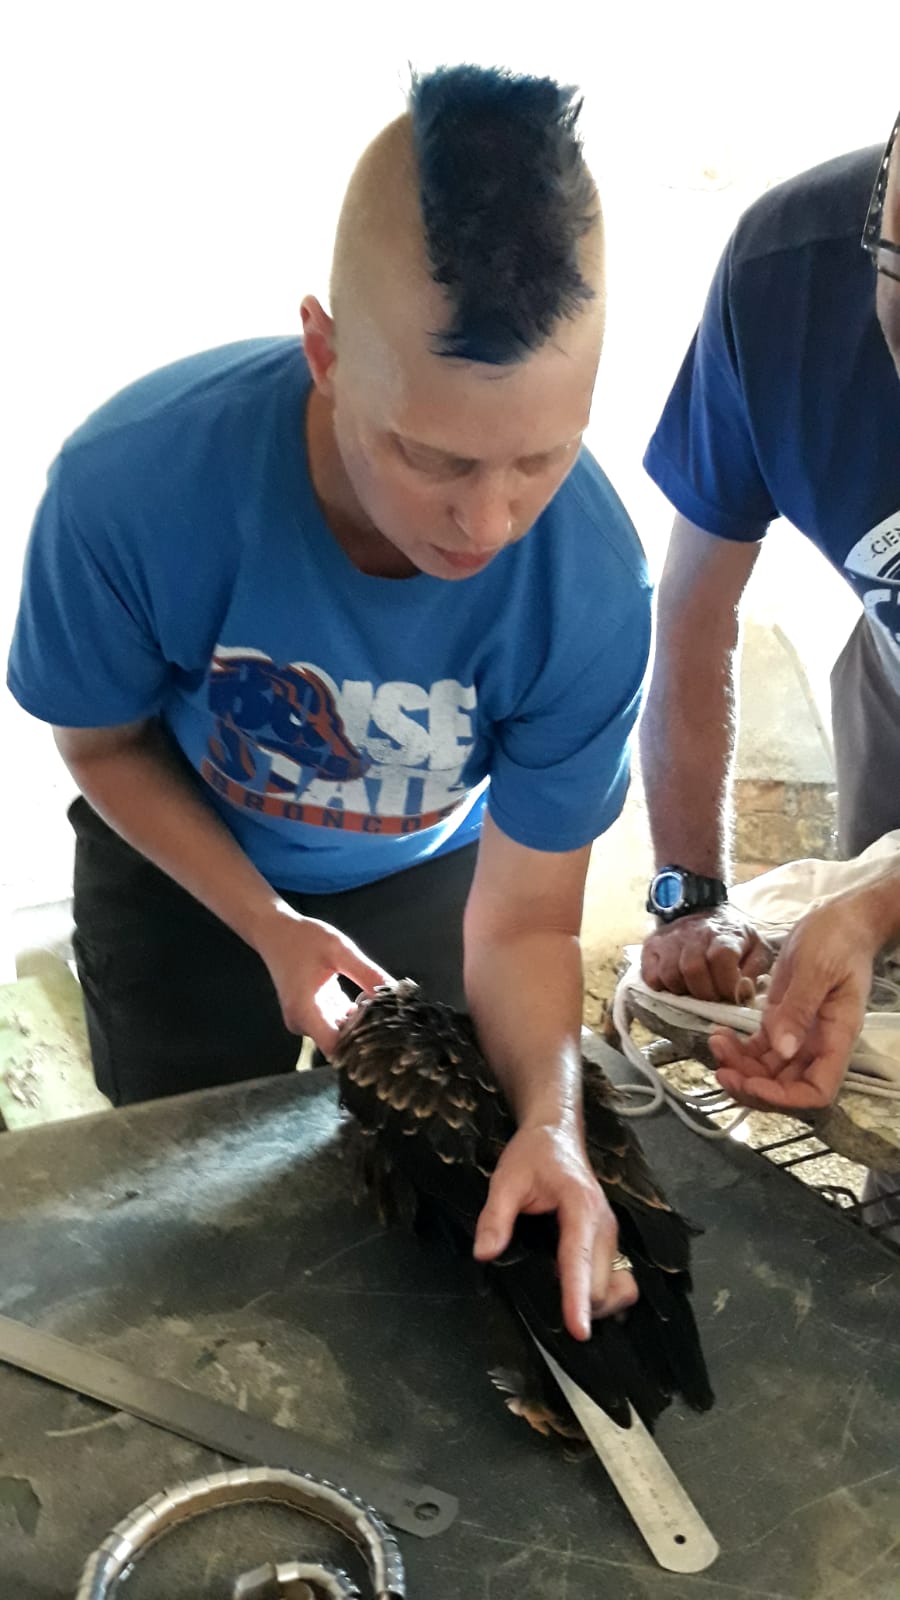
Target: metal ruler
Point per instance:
(413, 1507)
(663, 1512)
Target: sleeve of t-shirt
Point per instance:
(702, 455)
(83, 653)
(560, 770)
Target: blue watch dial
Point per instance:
(668, 890)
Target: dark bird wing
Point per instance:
(412, 1074)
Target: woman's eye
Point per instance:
(430, 466)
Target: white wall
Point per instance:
(174, 172)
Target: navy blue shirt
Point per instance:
(787, 403)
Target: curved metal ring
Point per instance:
(337, 1507)
(296, 1580)
(621, 1263)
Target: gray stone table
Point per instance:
(213, 1240)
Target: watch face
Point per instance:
(668, 890)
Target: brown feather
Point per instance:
(412, 1073)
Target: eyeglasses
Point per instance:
(872, 239)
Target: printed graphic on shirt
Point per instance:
(873, 567)
(290, 742)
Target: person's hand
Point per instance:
(545, 1168)
(814, 1011)
(705, 955)
(305, 959)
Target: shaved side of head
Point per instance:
(380, 226)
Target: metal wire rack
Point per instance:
(675, 1061)
(797, 1152)
(801, 1147)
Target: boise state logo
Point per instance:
(288, 711)
(873, 568)
(279, 745)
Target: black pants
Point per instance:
(175, 1001)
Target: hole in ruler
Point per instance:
(680, 1538)
(426, 1511)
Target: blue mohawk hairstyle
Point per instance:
(506, 197)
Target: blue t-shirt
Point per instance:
(345, 726)
(788, 403)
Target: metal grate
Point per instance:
(786, 1143)
(797, 1149)
(780, 1138)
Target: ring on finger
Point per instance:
(621, 1263)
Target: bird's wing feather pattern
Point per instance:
(412, 1074)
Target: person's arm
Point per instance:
(816, 1002)
(687, 737)
(524, 987)
(130, 776)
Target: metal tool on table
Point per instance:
(295, 1580)
(663, 1512)
(416, 1508)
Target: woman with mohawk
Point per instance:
(343, 643)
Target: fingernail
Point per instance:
(486, 1244)
(788, 1046)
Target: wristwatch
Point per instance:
(675, 892)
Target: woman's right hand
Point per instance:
(306, 958)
